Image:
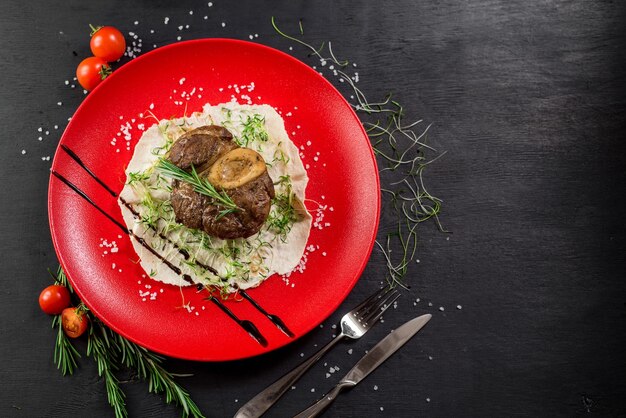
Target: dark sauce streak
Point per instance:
(80, 163)
(245, 324)
(248, 326)
(183, 252)
(274, 318)
(140, 240)
(136, 214)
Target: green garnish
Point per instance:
(112, 352)
(200, 185)
(402, 149)
(253, 130)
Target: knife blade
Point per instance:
(369, 362)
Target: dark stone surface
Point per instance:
(527, 98)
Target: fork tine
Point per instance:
(374, 303)
(382, 306)
(367, 301)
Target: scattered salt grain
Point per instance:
(441, 308)
(458, 307)
(375, 387)
(427, 399)
(312, 389)
(350, 351)
(136, 22)
(167, 19)
(178, 38)
(223, 24)
(23, 151)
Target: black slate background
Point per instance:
(527, 98)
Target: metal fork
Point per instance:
(354, 325)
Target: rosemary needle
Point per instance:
(200, 185)
(401, 149)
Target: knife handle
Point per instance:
(258, 405)
(318, 407)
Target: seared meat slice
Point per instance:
(201, 147)
(240, 172)
(254, 200)
(188, 204)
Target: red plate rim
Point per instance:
(329, 308)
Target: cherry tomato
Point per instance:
(107, 43)
(91, 71)
(74, 322)
(53, 299)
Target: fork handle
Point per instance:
(258, 405)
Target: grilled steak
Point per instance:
(202, 147)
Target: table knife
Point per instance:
(368, 363)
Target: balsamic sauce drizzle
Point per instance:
(139, 239)
(274, 318)
(245, 324)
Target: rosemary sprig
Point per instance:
(148, 367)
(200, 185)
(65, 354)
(111, 352)
(104, 353)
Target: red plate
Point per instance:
(343, 177)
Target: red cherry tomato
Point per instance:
(91, 71)
(53, 299)
(107, 43)
(74, 322)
